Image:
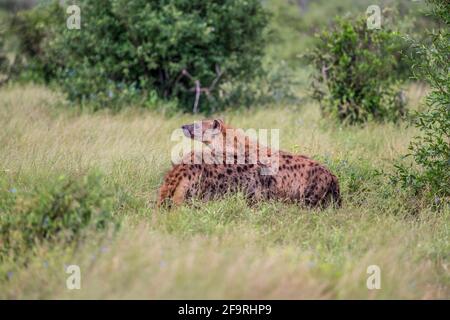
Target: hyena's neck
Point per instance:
(235, 144)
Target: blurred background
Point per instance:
(259, 47)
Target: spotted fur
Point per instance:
(298, 178)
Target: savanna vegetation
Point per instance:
(86, 118)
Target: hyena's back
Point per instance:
(298, 179)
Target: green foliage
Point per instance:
(34, 30)
(293, 25)
(354, 69)
(128, 49)
(4, 61)
(60, 211)
(431, 149)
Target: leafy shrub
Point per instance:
(137, 48)
(431, 149)
(4, 62)
(295, 22)
(34, 30)
(60, 211)
(353, 72)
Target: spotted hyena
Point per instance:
(233, 161)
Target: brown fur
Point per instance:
(298, 179)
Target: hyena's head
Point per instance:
(206, 131)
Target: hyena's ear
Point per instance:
(218, 124)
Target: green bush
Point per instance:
(293, 25)
(430, 151)
(354, 69)
(4, 62)
(34, 30)
(139, 48)
(60, 211)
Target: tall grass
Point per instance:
(222, 249)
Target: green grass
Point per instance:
(222, 249)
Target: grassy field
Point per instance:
(222, 249)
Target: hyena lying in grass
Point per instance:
(233, 162)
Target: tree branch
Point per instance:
(198, 87)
